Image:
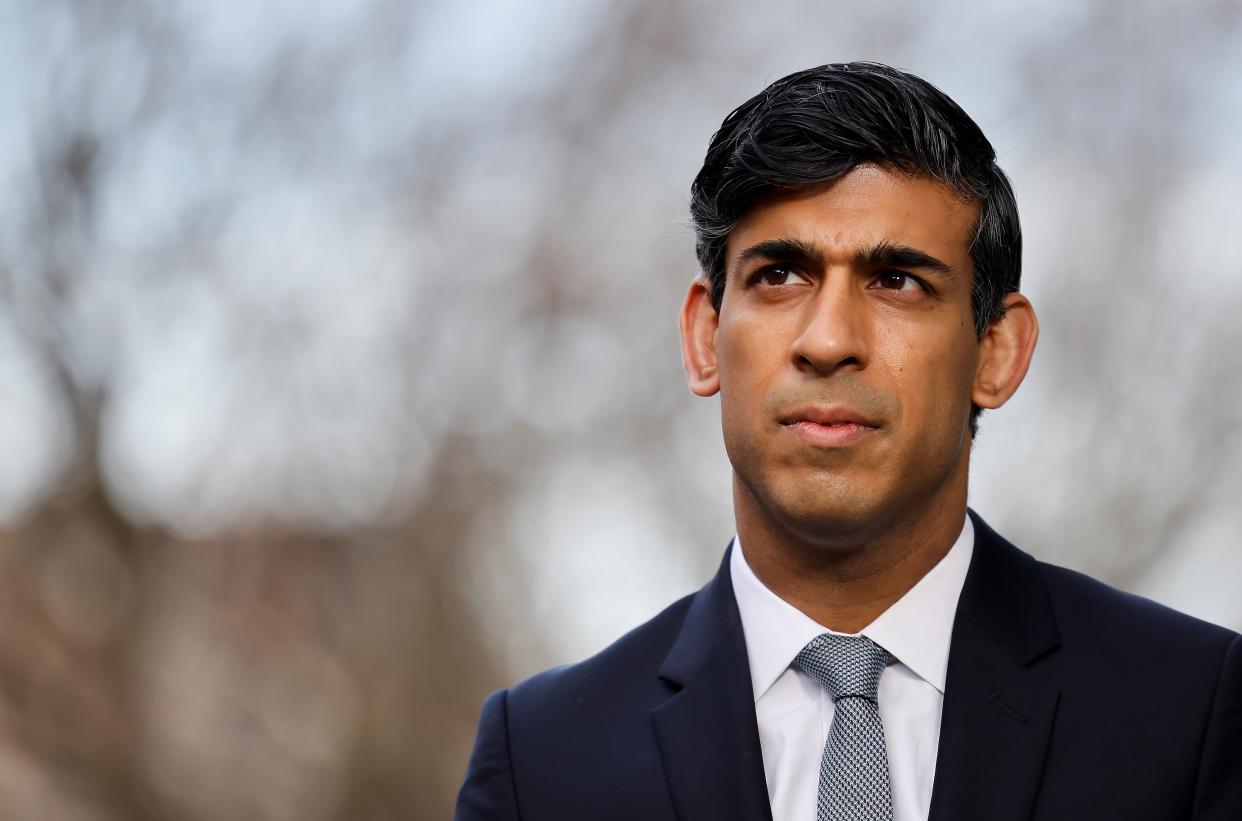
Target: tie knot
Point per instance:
(844, 665)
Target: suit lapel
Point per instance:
(1000, 701)
(708, 737)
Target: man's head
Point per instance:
(815, 125)
(861, 255)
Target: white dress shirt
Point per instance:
(794, 712)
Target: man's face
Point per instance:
(846, 352)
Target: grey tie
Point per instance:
(853, 773)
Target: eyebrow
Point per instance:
(780, 250)
(883, 254)
(889, 254)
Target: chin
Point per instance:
(828, 513)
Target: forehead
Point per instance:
(867, 206)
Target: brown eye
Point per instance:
(780, 275)
(897, 281)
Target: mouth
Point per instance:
(829, 427)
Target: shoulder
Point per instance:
(1087, 616)
(1085, 604)
(625, 670)
(558, 739)
(572, 731)
(1123, 635)
(1092, 636)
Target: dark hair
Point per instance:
(814, 126)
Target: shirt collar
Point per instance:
(915, 629)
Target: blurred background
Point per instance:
(339, 379)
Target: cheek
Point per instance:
(750, 361)
(732, 366)
(746, 355)
(933, 378)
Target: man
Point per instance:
(869, 648)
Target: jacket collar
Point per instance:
(1000, 699)
(1005, 598)
(708, 737)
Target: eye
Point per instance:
(777, 275)
(898, 281)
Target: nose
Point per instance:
(835, 333)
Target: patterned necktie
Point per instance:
(853, 773)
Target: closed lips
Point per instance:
(828, 417)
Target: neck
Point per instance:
(844, 579)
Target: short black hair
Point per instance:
(814, 126)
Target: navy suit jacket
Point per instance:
(1065, 699)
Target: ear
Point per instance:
(1005, 353)
(699, 322)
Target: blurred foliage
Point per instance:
(339, 372)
